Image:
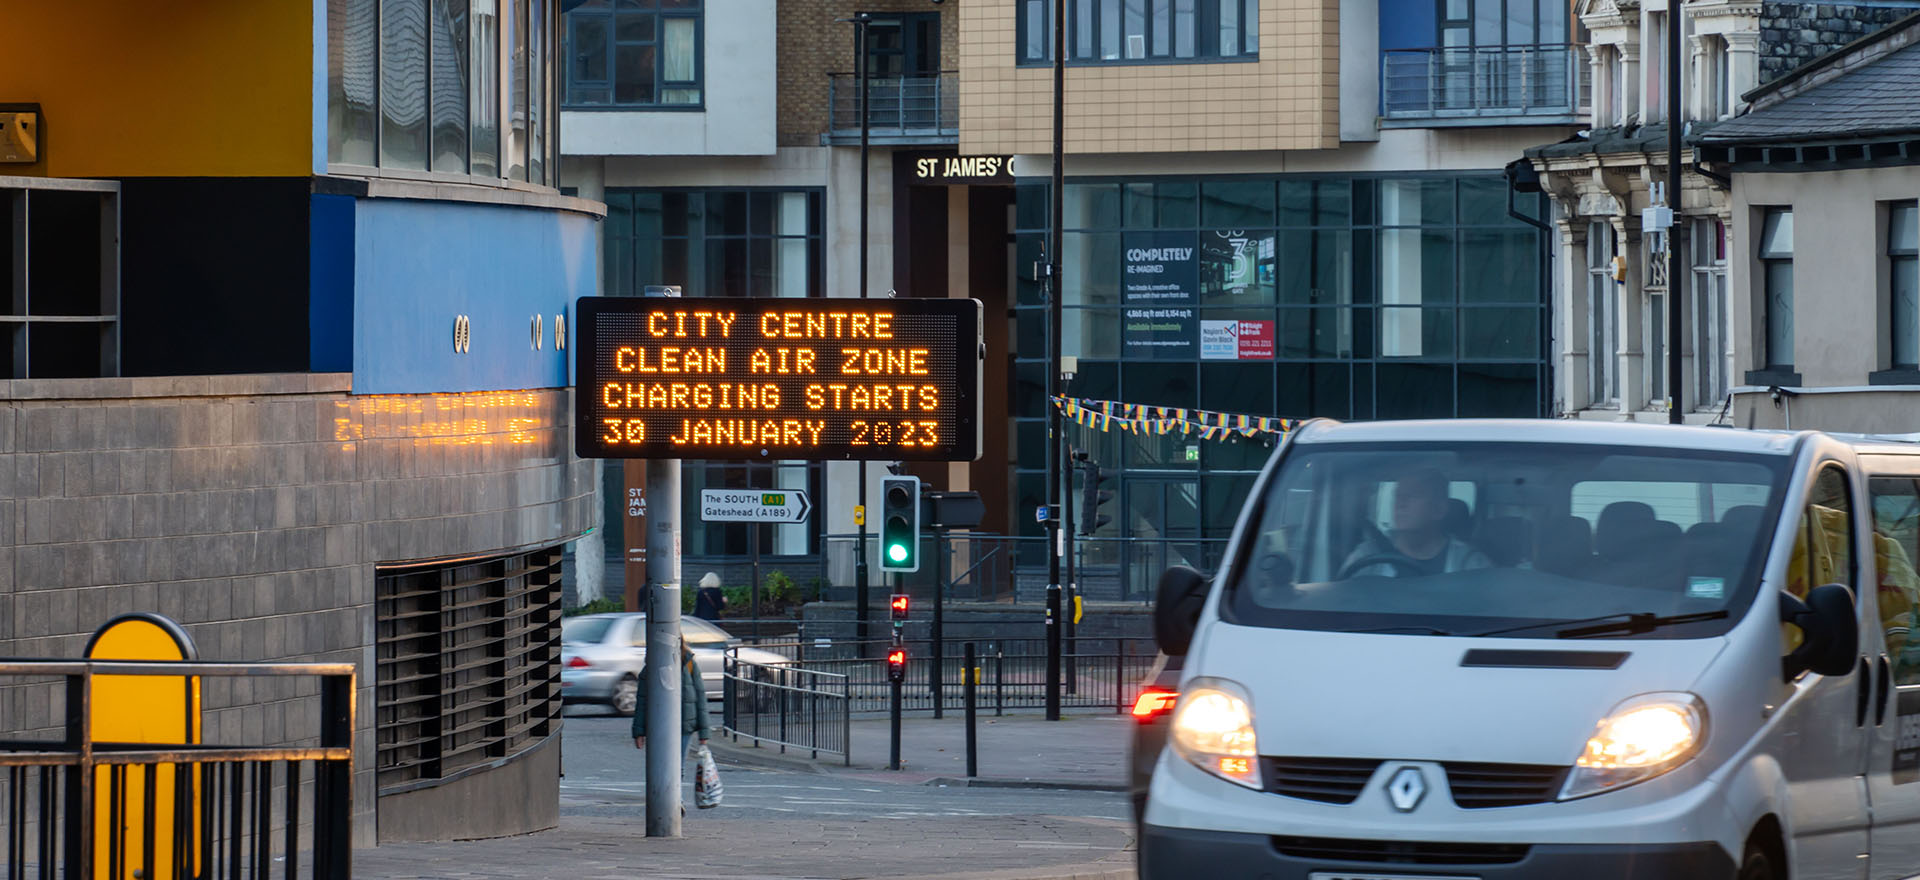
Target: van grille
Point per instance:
(1397, 852)
(1477, 786)
(1327, 780)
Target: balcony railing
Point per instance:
(922, 109)
(1478, 84)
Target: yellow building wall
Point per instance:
(1288, 100)
(136, 88)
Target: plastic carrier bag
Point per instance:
(706, 779)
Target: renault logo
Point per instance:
(1406, 788)
(462, 334)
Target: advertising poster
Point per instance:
(1237, 264)
(1236, 340)
(1160, 280)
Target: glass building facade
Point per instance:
(1345, 297)
(721, 242)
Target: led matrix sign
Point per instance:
(765, 379)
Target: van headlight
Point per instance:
(1213, 728)
(1643, 737)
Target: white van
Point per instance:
(1492, 649)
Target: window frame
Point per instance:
(539, 96)
(1206, 33)
(1898, 255)
(695, 10)
(1769, 261)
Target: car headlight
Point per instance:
(1213, 728)
(1643, 737)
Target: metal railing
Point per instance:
(79, 808)
(924, 106)
(1482, 81)
(977, 566)
(1098, 673)
(786, 707)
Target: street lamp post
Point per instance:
(1056, 430)
(860, 588)
(1676, 128)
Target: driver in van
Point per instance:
(1419, 543)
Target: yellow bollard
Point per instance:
(158, 709)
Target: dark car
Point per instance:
(1151, 711)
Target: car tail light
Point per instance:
(1153, 703)
(578, 663)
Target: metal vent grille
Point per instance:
(1327, 780)
(1397, 852)
(468, 667)
(1477, 786)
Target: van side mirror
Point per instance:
(1176, 609)
(1831, 632)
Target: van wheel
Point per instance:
(1758, 864)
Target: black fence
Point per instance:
(81, 809)
(1101, 673)
(787, 707)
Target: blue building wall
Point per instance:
(1409, 24)
(418, 264)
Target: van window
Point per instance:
(1896, 544)
(1467, 537)
(1823, 545)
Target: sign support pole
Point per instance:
(753, 542)
(661, 672)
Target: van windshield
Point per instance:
(1469, 538)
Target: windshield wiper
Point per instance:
(1624, 623)
(1416, 628)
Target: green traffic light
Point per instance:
(897, 552)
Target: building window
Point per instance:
(736, 242)
(634, 53)
(1709, 242)
(1776, 272)
(1142, 31)
(416, 86)
(1299, 296)
(1602, 320)
(1903, 274)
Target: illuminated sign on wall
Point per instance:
(766, 379)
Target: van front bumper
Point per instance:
(1173, 852)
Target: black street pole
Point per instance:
(972, 683)
(860, 594)
(1676, 128)
(1054, 296)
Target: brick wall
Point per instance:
(251, 510)
(813, 43)
(1792, 34)
(1288, 100)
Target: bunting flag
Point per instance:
(1136, 418)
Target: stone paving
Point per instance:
(789, 817)
(966, 848)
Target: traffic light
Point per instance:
(897, 664)
(1092, 497)
(900, 524)
(898, 606)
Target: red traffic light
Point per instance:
(898, 606)
(897, 664)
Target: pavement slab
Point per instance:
(797, 818)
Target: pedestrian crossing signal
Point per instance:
(897, 664)
(898, 606)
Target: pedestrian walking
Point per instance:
(708, 601)
(693, 709)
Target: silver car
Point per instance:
(601, 656)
